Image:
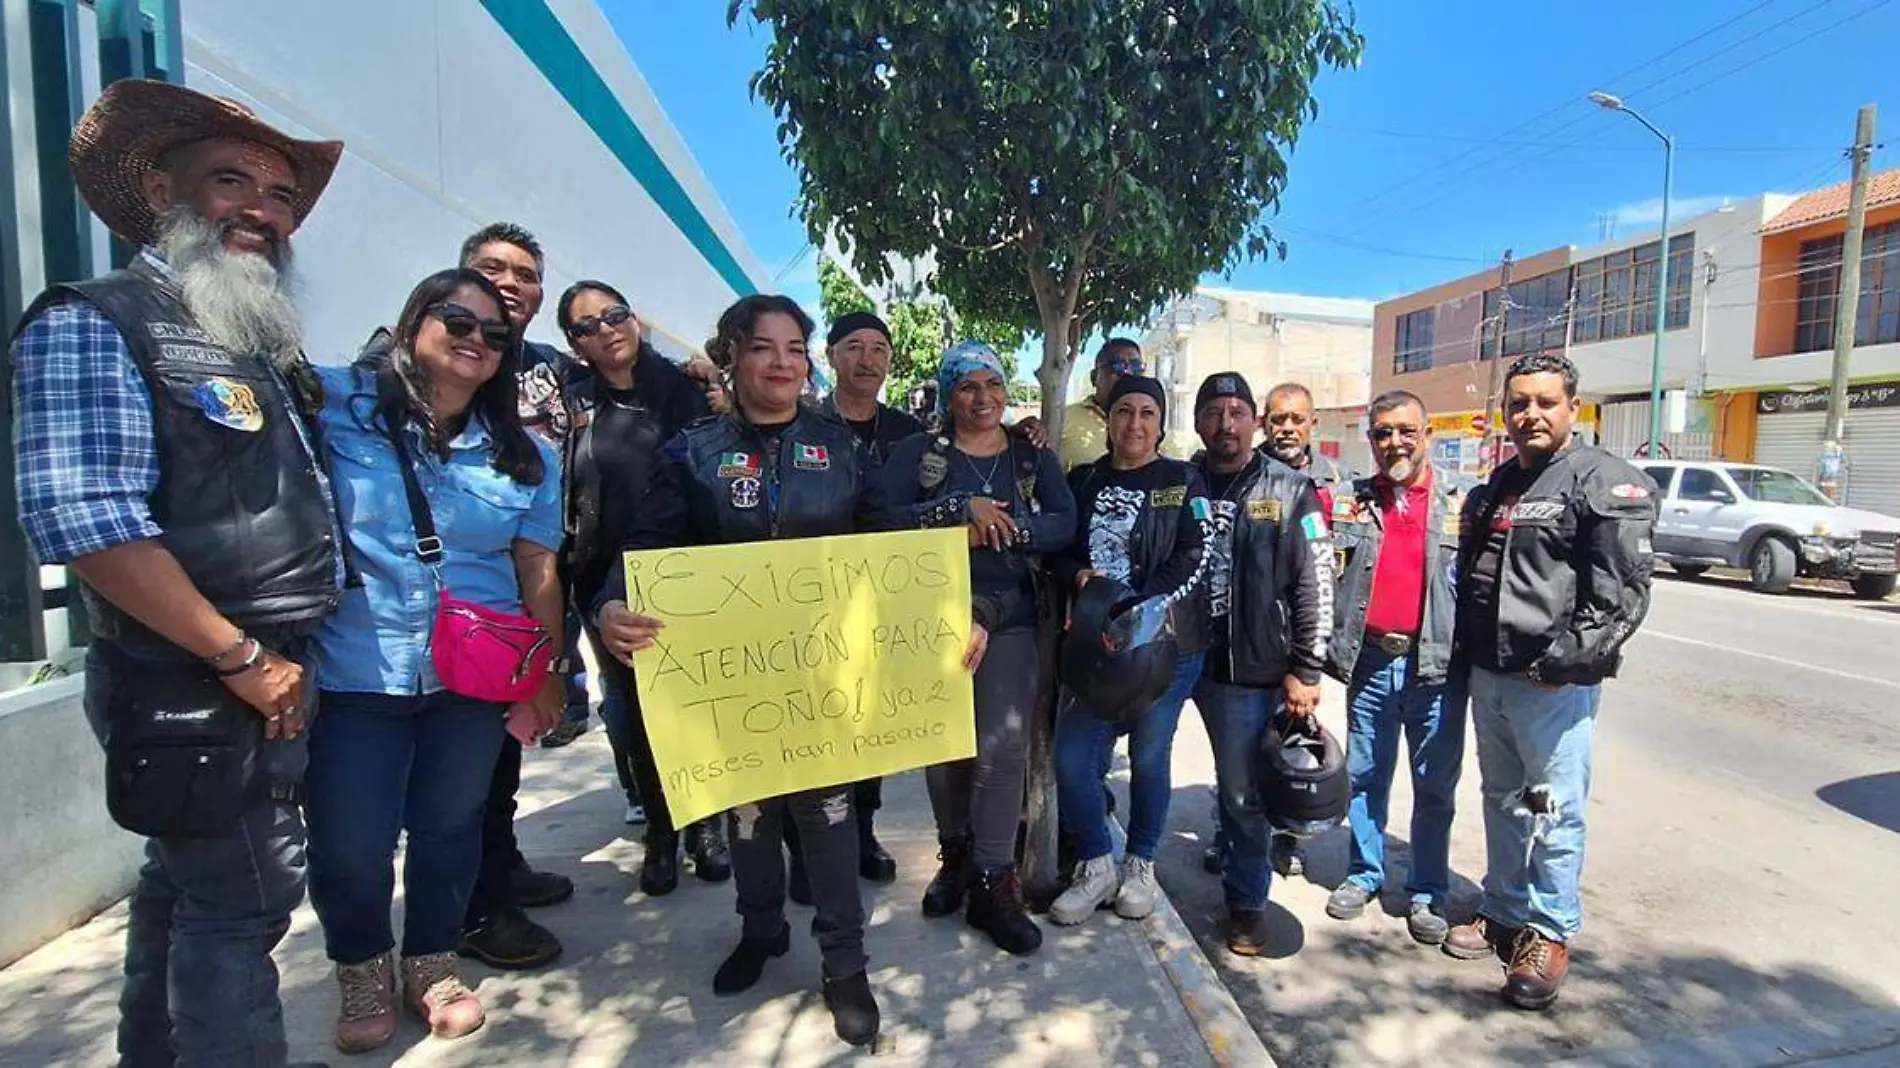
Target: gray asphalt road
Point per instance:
(1741, 889)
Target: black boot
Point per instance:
(510, 941)
(997, 909)
(874, 863)
(706, 841)
(660, 868)
(537, 889)
(853, 1009)
(944, 895)
(747, 962)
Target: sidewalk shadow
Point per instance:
(1874, 798)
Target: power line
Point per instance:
(1380, 249)
(1467, 139)
(1869, 9)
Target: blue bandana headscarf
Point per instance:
(963, 358)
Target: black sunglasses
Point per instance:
(588, 326)
(1386, 433)
(460, 322)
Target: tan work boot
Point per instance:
(1538, 967)
(432, 990)
(366, 1020)
(1482, 937)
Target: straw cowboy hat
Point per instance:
(128, 130)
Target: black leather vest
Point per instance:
(239, 498)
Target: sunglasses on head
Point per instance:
(588, 326)
(460, 322)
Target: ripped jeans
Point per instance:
(1534, 755)
(828, 839)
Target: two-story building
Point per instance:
(1747, 345)
(1323, 343)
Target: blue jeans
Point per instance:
(381, 764)
(1534, 754)
(1080, 744)
(1237, 718)
(200, 985)
(1385, 700)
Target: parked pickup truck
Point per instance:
(1770, 522)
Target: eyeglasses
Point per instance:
(588, 326)
(1123, 365)
(1387, 433)
(460, 322)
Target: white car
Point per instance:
(1774, 524)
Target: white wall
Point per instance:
(62, 859)
(449, 126)
(1623, 365)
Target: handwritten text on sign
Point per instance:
(789, 665)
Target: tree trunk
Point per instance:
(1040, 872)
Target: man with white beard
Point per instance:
(168, 456)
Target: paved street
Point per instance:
(1744, 849)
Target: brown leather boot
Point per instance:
(1482, 937)
(1538, 966)
(435, 993)
(366, 1018)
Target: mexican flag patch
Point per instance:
(811, 458)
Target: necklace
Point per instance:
(990, 478)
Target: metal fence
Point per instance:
(55, 56)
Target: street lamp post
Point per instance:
(1614, 103)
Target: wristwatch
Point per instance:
(561, 665)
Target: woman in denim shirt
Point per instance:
(391, 750)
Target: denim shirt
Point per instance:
(378, 640)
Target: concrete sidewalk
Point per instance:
(634, 987)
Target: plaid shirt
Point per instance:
(85, 457)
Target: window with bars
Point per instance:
(1413, 345)
(1877, 318)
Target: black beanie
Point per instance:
(854, 322)
(1224, 384)
(1127, 384)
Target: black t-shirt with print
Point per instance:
(1478, 616)
(1219, 580)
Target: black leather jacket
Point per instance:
(1574, 582)
(1358, 536)
(721, 481)
(1280, 609)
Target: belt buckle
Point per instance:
(1395, 644)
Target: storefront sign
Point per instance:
(1872, 395)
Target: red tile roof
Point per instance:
(1831, 203)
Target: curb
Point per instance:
(1231, 1041)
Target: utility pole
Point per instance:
(1493, 401)
(1847, 311)
(1709, 272)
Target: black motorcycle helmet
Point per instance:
(1302, 776)
(1119, 653)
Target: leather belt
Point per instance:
(1395, 644)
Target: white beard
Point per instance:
(243, 301)
(1401, 471)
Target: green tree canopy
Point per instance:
(1069, 163)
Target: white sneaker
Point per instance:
(1094, 883)
(636, 814)
(1136, 899)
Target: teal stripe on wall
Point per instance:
(542, 38)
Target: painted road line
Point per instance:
(1837, 673)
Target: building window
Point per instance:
(1537, 317)
(1877, 318)
(1414, 341)
(1616, 294)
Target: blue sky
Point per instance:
(1463, 132)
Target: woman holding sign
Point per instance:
(771, 468)
(1143, 526)
(1012, 498)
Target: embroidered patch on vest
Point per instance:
(745, 492)
(738, 465)
(1172, 497)
(811, 458)
(230, 404)
(1264, 511)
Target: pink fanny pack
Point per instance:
(489, 655)
(478, 652)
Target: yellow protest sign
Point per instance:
(789, 665)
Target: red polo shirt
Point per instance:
(1398, 580)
